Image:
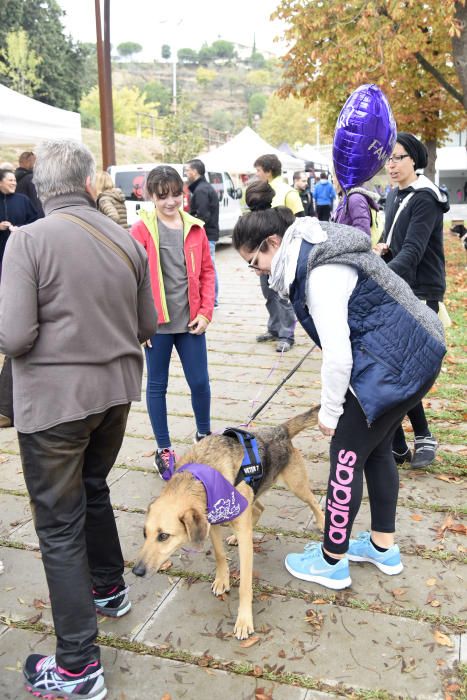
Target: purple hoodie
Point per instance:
(354, 209)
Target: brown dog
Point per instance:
(178, 515)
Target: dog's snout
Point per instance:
(139, 569)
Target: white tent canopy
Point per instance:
(24, 120)
(239, 154)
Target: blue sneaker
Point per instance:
(312, 566)
(389, 562)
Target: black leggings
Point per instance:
(416, 414)
(355, 450)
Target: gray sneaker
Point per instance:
(424, 453)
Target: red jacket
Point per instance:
(200, 270)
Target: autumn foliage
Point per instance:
(404, 46)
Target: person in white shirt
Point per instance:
(381, 352)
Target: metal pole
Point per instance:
(105, 84)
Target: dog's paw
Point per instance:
(232, 541)
(244, 626)
(220, 586)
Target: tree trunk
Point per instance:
(459, 49)
(431, 167)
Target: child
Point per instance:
(182, 280)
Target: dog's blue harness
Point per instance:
(251, 470)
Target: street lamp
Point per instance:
(105, 84)
(312, 120)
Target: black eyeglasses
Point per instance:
(252, 264)
(397, 159)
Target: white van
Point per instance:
(131, 180)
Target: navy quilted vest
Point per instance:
(393, 355)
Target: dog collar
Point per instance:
(224, 501)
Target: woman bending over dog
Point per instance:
(381, 352)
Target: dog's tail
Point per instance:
(298, 423)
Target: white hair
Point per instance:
(62, 167)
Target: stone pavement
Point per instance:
(385, 637)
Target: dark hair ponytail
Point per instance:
(262, 221)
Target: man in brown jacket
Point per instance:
(75, 304)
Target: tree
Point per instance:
(204, 76)
(166, 52)
(127, 103)
(205, 54)
(223, 49)
(257, 104)
(20, 63)
(61, 60)
(221, 120)
(157, 93)
(128, 49)
(404, 47)
(182, 137)
(187, 56)
(287, 120)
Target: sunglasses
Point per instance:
(252, 264)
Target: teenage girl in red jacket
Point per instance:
(182, 280)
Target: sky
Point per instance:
(180, 23)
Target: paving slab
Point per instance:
(11, 472)
(130, 676)
(355, 647)
(14, 513)
(24, 594)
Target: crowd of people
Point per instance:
(80, 294)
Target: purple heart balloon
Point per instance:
(364, 138)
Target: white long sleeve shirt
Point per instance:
(328, 291)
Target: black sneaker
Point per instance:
(424, 453)
(114, 603)
(199, 437)
(45, 679)
(401, 457)
(164, 461)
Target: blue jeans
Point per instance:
(194, 358)
(212, 249)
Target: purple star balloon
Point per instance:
(364, 138)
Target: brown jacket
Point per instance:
(72, 316)
(112, 204)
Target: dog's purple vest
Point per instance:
(224, 501)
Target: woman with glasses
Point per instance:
(381, 352)
(412, 245)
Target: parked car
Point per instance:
(131, 180)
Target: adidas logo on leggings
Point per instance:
(341, 495)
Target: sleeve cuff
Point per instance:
(330, 421)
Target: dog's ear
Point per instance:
(196, 524)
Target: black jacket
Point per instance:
(25, 185)
(416, 246)
(204, 204)
(307, 201)
(18, 210)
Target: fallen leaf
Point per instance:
(39, 604)
(282, 654)
(150, 453)
(398, 592)
(435, 603)
(249, 642)
(166, 696)
(458, 528)
(257, 671)
(431, 582)
(442, 639)
(319, 601)
(449, 478)
(167, 565)
(417, 517)
(453, 687)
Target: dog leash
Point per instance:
(255, 413)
